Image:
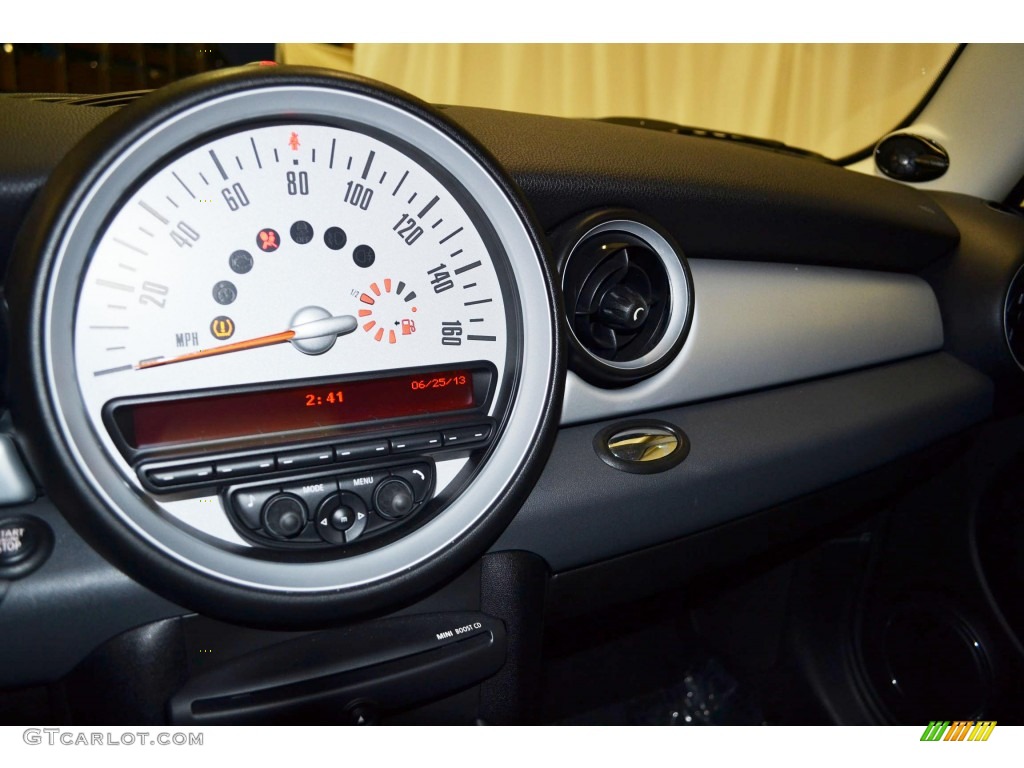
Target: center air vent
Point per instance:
(628, 296)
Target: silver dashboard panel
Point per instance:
(759, 325)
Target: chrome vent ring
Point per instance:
(628, 296)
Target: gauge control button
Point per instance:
(422, 442)
(247, 504)
(313, 492)
(364, 450)
(363, 484)
(357, 528)
(419, 478)
(252, 465)
(310, 457)
(466, 435)
(168, 477)
(341, 517)
(284, 516)
(394, 498)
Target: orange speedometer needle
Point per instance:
(327, 327)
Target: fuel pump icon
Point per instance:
(408, 327)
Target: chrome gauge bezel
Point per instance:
(173, 121)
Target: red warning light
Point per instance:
(268, 240)
(293, 142)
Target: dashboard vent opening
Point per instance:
(622, 297)
(628, 297)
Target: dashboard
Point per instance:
(294, 357)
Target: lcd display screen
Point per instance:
(294, 408)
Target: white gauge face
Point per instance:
(309, 290)
(311, 229)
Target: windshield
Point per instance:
(833, 99)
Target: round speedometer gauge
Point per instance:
(212, 259)
(293, 344)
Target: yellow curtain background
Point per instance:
(830, 98)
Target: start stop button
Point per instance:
(25, 542)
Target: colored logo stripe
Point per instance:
(982, 731)
(960, 730)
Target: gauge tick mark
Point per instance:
(401, 181)
(105, 371)
(191, 194)
(257, 154)
(156, 214)
(448, 237)
(129, 246)
(116, 286)
(220, 168)
(427, 207)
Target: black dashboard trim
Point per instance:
(716, 199)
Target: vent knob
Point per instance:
(623, 308)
